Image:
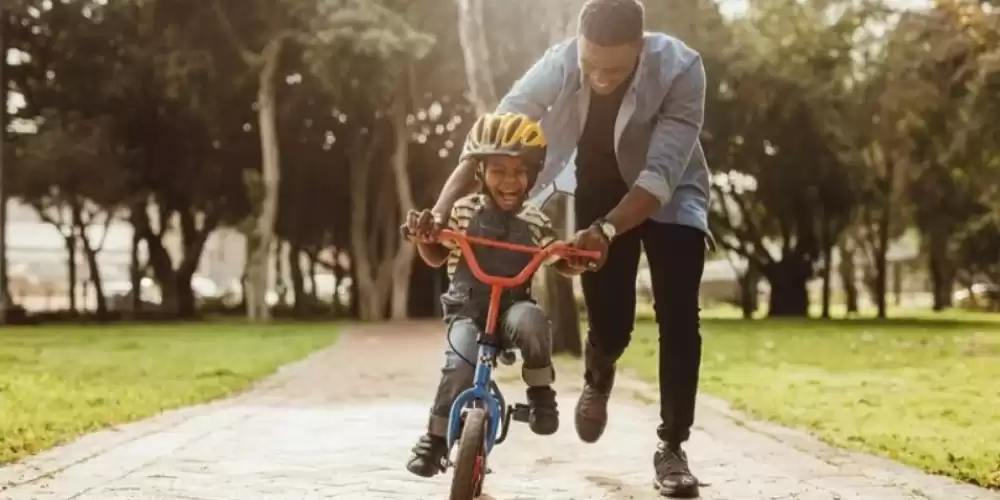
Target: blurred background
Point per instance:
(230, 157)
(191, 160)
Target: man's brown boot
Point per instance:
(591, 416)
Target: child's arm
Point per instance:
(433, 254)
(436, 254)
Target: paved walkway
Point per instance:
(340, 424)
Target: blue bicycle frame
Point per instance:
(482, 391)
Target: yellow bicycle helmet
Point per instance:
(508, 134)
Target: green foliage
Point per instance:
(826, 121)
(363, 43)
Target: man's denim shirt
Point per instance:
(656, 133)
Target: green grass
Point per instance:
(57, 383)
(920, 391)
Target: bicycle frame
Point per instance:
(489, 343)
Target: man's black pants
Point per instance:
(676, 256)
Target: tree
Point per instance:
(951, 132)
(273, 37)
(67, 172)
(376, 45)
(782, 194)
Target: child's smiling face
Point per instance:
(506, 179)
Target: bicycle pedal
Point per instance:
(520, 412)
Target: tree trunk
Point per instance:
(313, 293)
(135, 273)
(185, 299)
(848, 277)
(302, 302)
(71, 270)
(166, 278)
(339, 273)
(402, 263)
(5, 298)
(90, 253)
(748, 290)
(476, 53)
(374, 235)
(897, 283)
(271, 176)
(881, 278)
(884, 234)
(827, 278)
(354, 306)
(942, 271)
(254, 274)
(95, 276)
(175, 284)
(789, 295)
(280, 287)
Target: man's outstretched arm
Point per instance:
(461, 182)
(531, 95)
(674, 138)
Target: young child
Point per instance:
(510, 149)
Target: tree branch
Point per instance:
(759, 253)
(249, 57)
(104, 233)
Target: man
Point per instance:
(625, 108)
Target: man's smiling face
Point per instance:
(605, 68)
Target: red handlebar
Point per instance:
(497, 283)
(540, 254)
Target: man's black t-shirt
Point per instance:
(597, 174)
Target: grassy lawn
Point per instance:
(57, 383)
(920, 391)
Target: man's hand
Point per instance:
(423, 226)
(589, 239)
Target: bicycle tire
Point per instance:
(470, 460)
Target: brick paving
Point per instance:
(339, 425)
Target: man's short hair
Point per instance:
(610, 23)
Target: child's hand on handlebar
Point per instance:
(423, 227)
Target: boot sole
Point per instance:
(691, 492)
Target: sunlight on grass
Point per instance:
(57, 383)
(926, 393)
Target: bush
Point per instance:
(980, 297)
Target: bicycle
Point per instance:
(480, 412)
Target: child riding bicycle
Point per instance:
(510, 149)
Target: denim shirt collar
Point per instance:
(628, 103)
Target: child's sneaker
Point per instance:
(428, 456)
(544, 419)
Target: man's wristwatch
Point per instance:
(607, 229)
